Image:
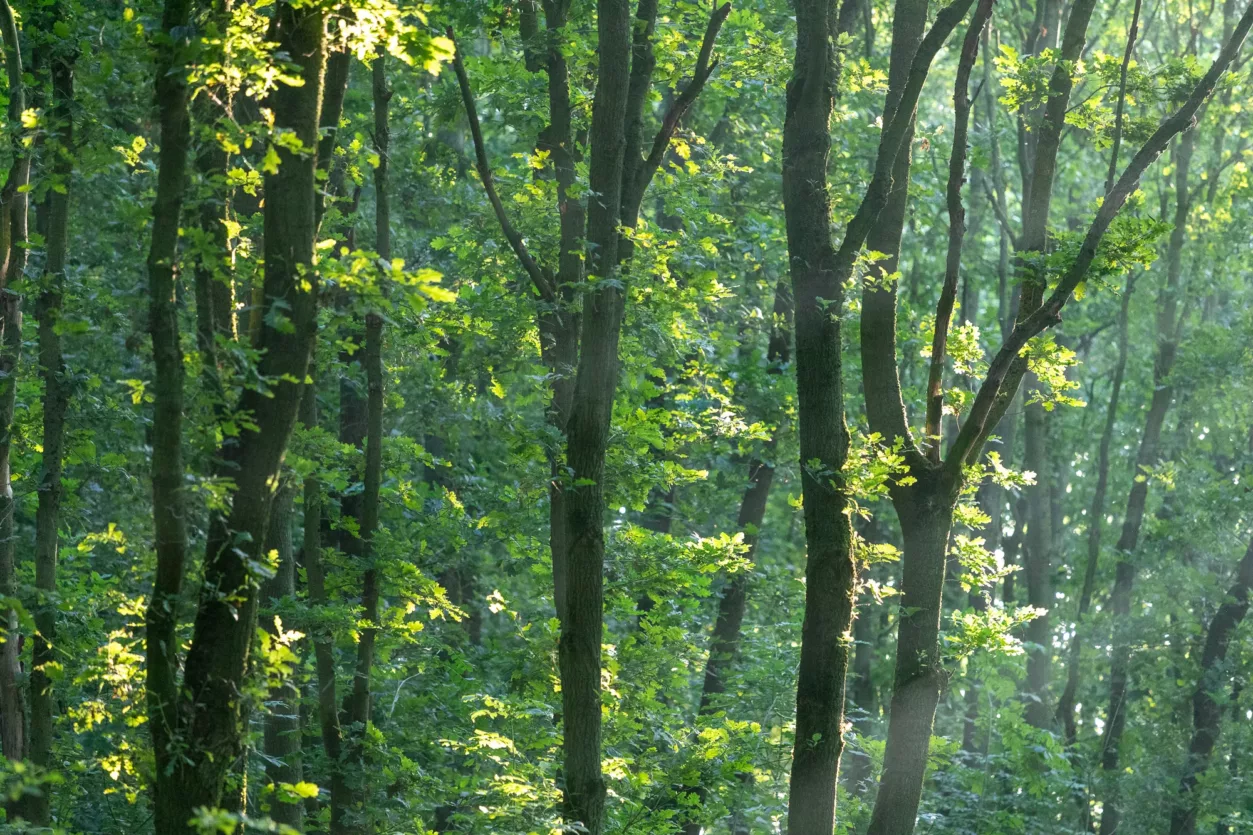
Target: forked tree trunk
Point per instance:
(924, 508)
(819, 272)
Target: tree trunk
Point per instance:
(323, 642)
(1169, 323)
(357, 707)
(37, 808)
(588, 431)
(1206, 711)
(1096, 522)
(282, 718)
(857, 770)
(560, 327)
(819, 273)
(1038, 563)
(167, 451)
(925, 508)
(209, 705)
(830, 570)
(13, 240)
(212, 257)
(926, 518)
(724, 644)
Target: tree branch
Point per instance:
(540, 276)
(1007, 368)
(1122, 95)
(956, 228)
(705, 65)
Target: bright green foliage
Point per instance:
(465, 733)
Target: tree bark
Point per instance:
(323, 642)
(167, 452)
(926, 518)
(357, 707)
(55, 217)
(212, 257)
(880, 377)
(588, 431)
(13, 239)
(1038, 562)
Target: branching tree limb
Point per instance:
(541, 277)
(1006, 370)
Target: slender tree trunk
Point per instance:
(282, 719)
(1038, 563)
(561, 326)
(167, 451)
(13, 240)
(588, 431)
(830, 570)
(212, 257)
(37, 808)
(1206, 711)
(857, 770)
(1096, 523)
(724, 644)
(323, 642)
(357, 708)
(1233, 757)
(880, 377)
(209, 705)
(1169, 323)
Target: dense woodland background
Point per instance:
(541, 416)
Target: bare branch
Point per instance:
(540, 276)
